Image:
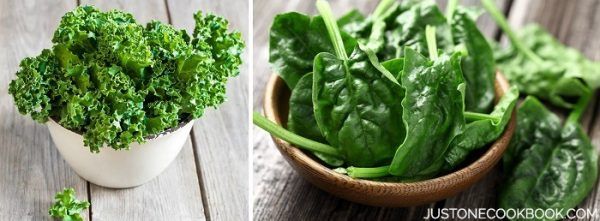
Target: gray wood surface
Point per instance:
(207, 181)
(31, 169)
(281, 194)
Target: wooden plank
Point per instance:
(572, 23)
(279, 192)
(221, 135)
(31, 169)
(175, 194)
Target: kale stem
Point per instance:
(580, 107)
(371, 172)
(472, 116)
(431, 43)
(382, 7)
(450, 10)
(501, 21)
(293, 138)
(332, 29)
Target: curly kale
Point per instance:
(67, 207)
(116, 82)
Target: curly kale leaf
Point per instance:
(30, 90)
(116, 81)
(67, 207)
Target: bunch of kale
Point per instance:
(117, 82)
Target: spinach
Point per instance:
(556, 168)
(394, 66)
(409, 29)
(294, 41)
(301, 119)
(432, 110)
(370, 31)
(541, 66)
(486, 129)
(478, 66)
(407, 118)
(356, 101)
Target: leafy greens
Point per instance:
(374, 106)
(117, 82)
(66, 206)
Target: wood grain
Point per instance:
(175, 194)
(221, 136)
(31, 169)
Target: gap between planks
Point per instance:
(199, 174)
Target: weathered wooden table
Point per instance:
(281, 194)
(208, 180)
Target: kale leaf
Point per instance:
(67, 207)
(117, 82)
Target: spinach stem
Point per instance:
(472, 116)
(332, 29)
(450, 10)
(368, 172)
(490, 6)
(293, 138)
(579, 107)
(382, 8)
(431, 43)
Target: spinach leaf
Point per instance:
(408, 29)
(563, 75)
(356, 101)
(541, 66)
(301, 118)
(554, 172)
(357, 108)
(432, 112)
(351, 22)
(370, 31)
(394, 66)
(479, 133)
(294, 41)
(535, 125)
(478, 66)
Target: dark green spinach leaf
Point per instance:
(478, 67)
(408, 29)
(479, 133)
(301, 118)
(358, 108)
(356, 101)
(542, 66)
(550, 170)
(294, 41)
(432, 112)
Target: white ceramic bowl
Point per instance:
(119, 168)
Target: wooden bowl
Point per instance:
(376, 193)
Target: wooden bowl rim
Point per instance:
(472, 171)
